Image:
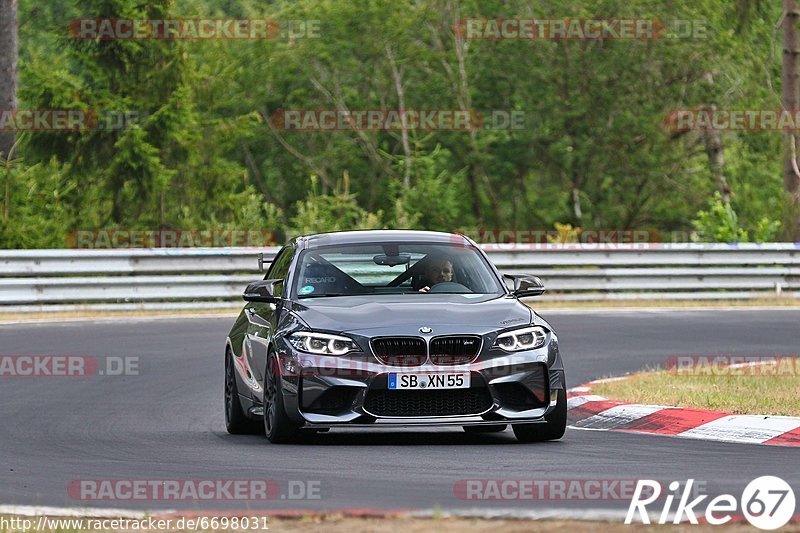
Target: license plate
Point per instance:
(453, 380)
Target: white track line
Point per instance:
(89, 512)
(648, 310)
(607, 380)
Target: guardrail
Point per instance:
(174, 278)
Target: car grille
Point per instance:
(414, 403)
(400, 351)
(455, 350)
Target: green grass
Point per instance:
(745, 394)
(662, 303)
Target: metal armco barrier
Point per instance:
(175, 278)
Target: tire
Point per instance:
(494, 428)
(277, 425)
(553, 429)
(236, 422)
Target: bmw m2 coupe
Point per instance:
(392, 328)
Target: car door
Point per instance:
(262, 318)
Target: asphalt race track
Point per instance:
(167, 422)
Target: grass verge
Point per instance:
(765, 394)
(656, 303)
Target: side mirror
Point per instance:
(262, 291)
(525, 286)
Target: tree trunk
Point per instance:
(401, 100)
(790, 100)
(715, 151)
(577, 211)
(8, 68)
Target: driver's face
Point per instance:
(440, 272)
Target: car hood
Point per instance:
(405, 314)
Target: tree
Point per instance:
(591, 150)
(8, 68)
(790, 100)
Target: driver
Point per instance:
(439, 270)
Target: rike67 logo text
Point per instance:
(767, 502)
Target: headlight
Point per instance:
(528, 338)
(322, 343)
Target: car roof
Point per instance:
(373, 236)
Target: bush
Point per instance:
(721, 224)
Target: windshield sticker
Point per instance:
(328, 279)
(308, 289)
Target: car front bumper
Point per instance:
(323, 391)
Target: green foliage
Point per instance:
(36, 204)
(332, 212)
(437, 199)
(766, 230)
(721, 224)
(592, 152)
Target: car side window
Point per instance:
(280, 268)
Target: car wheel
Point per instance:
(236, 422)
(277, 425)
(493, 428)
(553, 429)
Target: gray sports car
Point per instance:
(391, 328)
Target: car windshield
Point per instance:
(393, 268)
